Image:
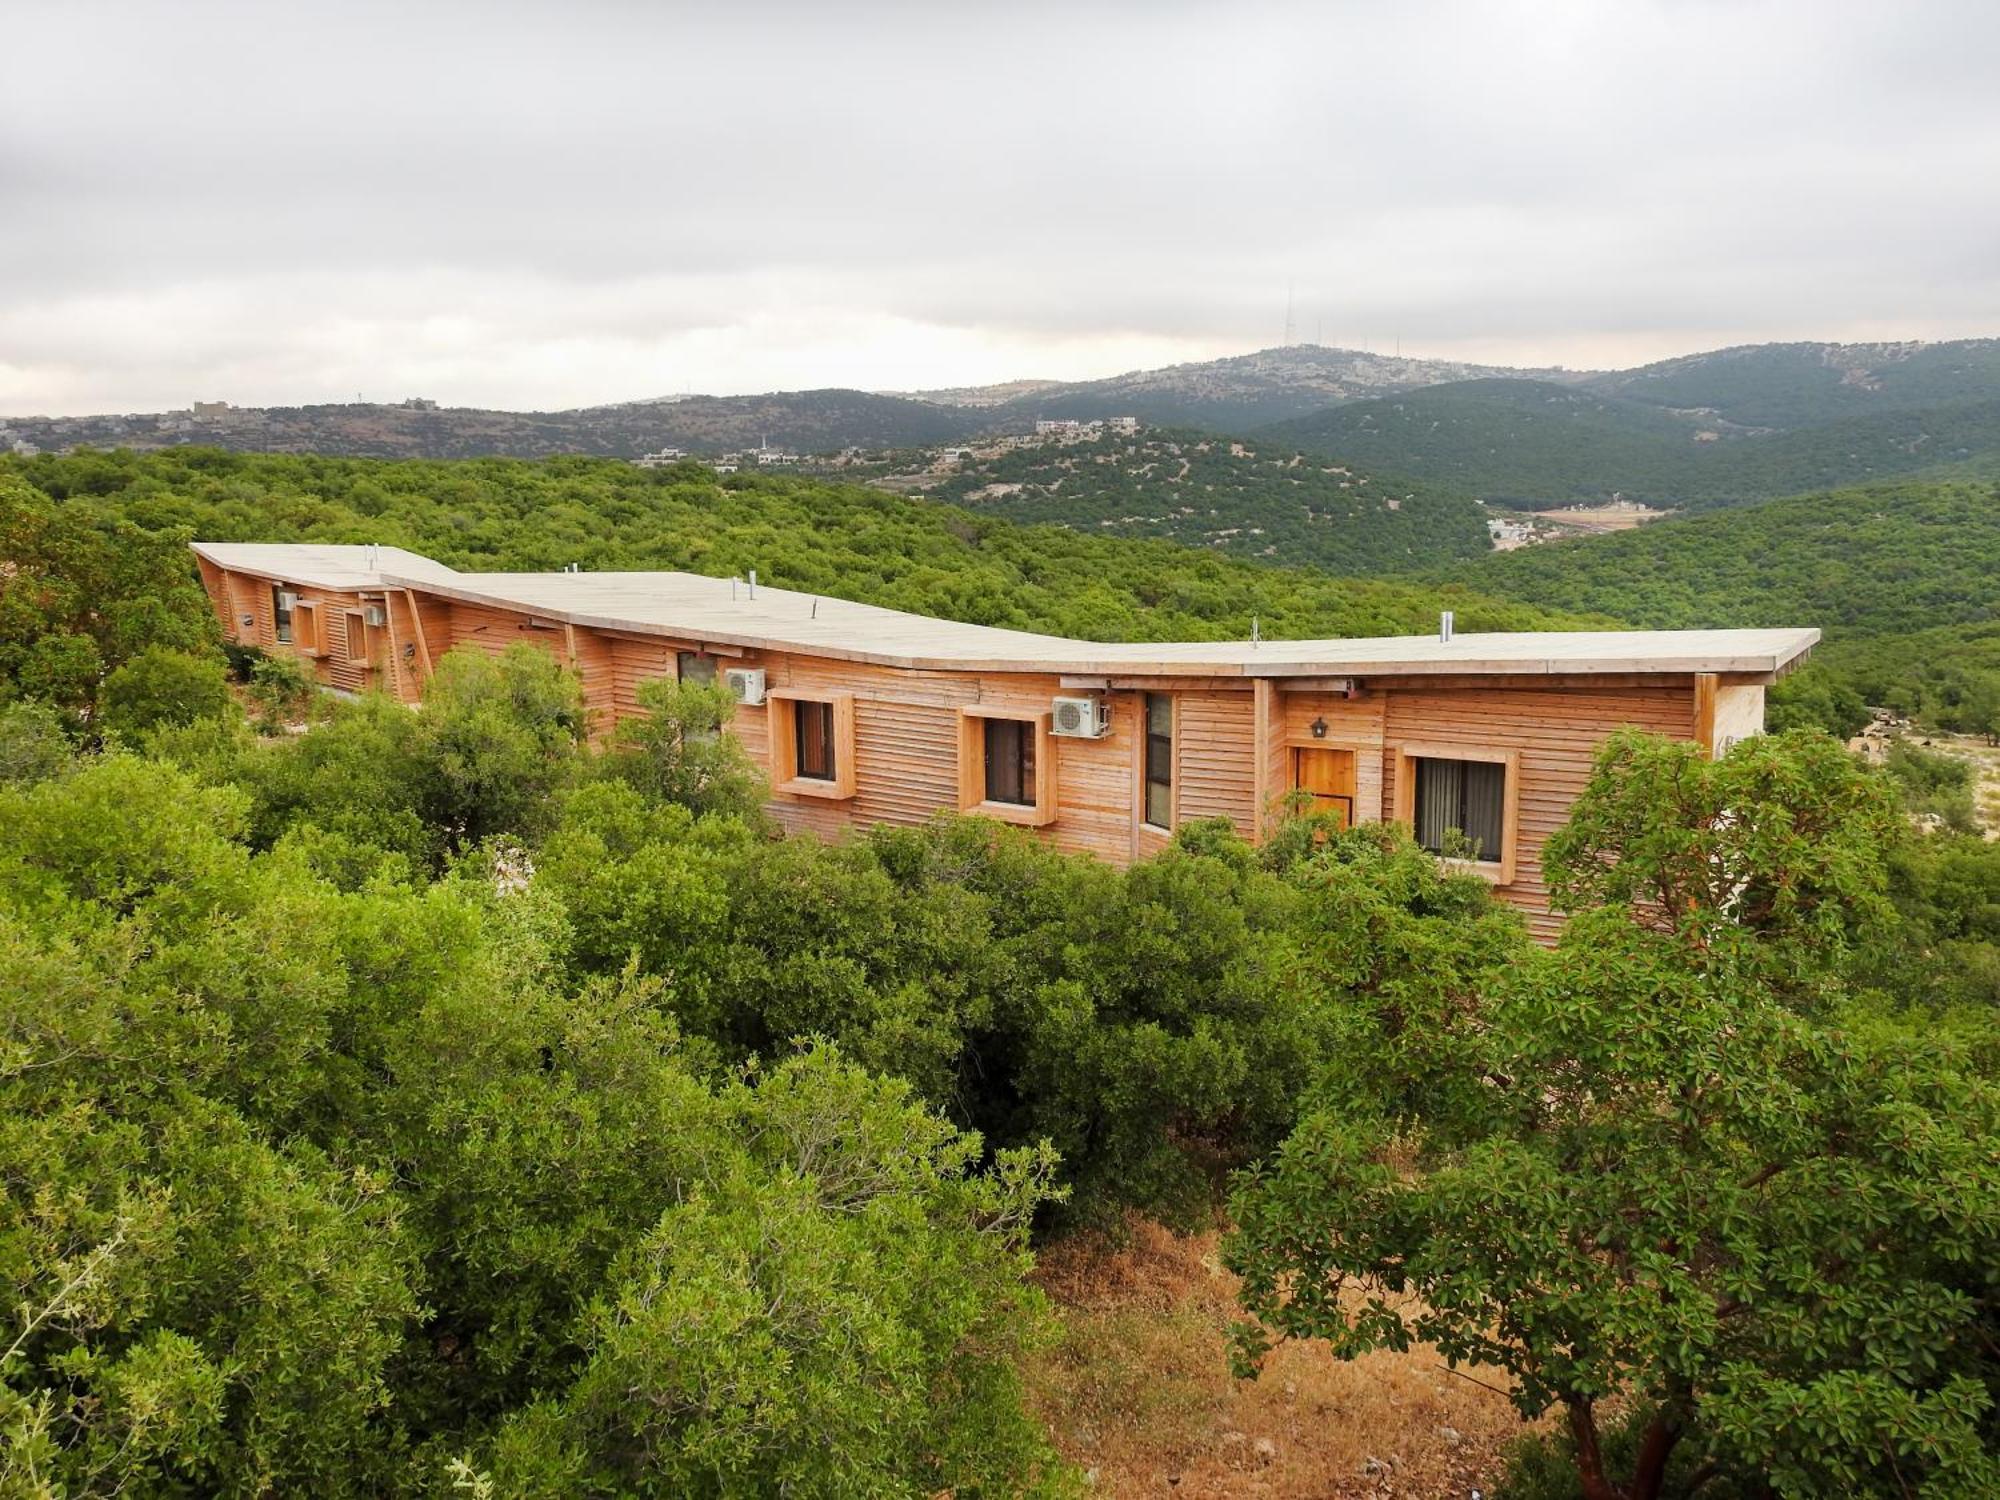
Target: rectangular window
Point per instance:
(812, 744)
(1159, 760)
(1010, 762)
(1468, 796)
(694, 666)
(1007, 765)
(281, 614)
(812, 732)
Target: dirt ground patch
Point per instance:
(1985, 760)
(1874, 742)
(1616, 516)
(1137, 1391)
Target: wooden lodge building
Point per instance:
(865, 715)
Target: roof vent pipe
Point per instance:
(753, 583)
(373, 551)
(1256, 632)
(1444, 628)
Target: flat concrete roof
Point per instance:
(689, 606)
(322, 565)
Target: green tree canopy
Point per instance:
(1666, 1164)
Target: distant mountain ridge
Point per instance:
(1793, 385)
(797, 421)
(1702, 429)
(1228, 395)
(1705, 430)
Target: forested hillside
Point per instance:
(1798, 385)
(1533, 445)
(1904, 579)
(808, 534)
(1248, 498)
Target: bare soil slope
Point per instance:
(1137, 1391)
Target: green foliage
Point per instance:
(161, 688)
(675, 750)
(311, 1189)
(1154, 1026)
(84, 591)
(1933, 785)
(33, 746)
(1247, 499)
(429, 1100)
(283, 690)
(1673, 1163)
(812, 535)
(1878, 561)
(1814, 698)
(865, 1285)
(1543, 1465)
(498, 736)
(1767, 861)
(1899, 576)
(1946, 889)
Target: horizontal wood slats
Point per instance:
(1231, 747)
(1215, 758)
(1556, 734)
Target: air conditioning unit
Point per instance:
(1080, 718)
(747, 683)
(374, 615)
(287, 599)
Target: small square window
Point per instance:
(812, 744)
(1462, 802)
(1007, 766)
(1462, 797)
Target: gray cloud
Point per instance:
(553, 204)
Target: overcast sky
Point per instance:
(546, 205)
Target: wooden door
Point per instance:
(1327, 776)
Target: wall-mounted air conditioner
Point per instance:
(375, 616)
(747, 683)
(287, 599)
(1080, 718)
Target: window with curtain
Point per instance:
(812, 733)
(1159, 760)
(1010, 761)
(1467, 795)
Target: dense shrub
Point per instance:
(159, 688)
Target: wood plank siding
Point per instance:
(911, 732)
